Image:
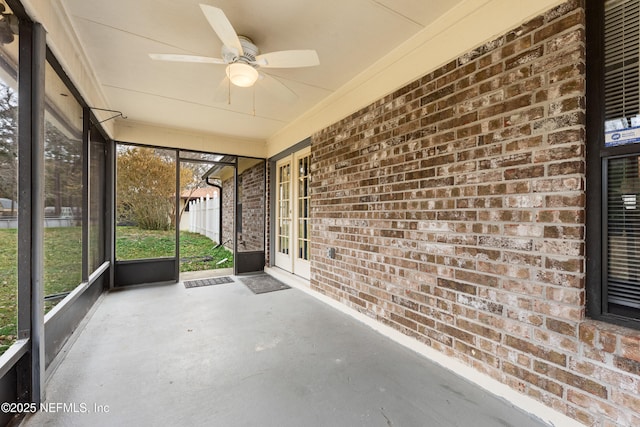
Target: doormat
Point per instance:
(263, 283)
(207, 282)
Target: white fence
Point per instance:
(204, 217)
(7, 223)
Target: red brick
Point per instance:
(566, 377)
(561, 327)
(420, 319)
(457, 207)
(607, 341)
(533, 379)
(587, 401)
(478, 329)
(476, 353)
(558, 26)
(524, 57)
(630, 347)
(627, 400)
(403, 321)
(629, 366)
(535, 350)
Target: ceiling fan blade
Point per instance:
(276, 88)
(223, 28)
(289, 59)
(185, 58)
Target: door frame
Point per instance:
(149, 270)
(301, 267)
(167, 269)
(272, 193)
(281, 260)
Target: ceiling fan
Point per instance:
(241, 56)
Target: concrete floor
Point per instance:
(222, 356)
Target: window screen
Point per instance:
(623, 231)
(621, 198)
(622, 56)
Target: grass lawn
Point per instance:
(134, 243)
(8, 287)
(62, 266)
(63, 257)
(196, 251)
(62, 260)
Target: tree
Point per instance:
(8, 144)
(146, 187)
(189, 187)
(63, 167)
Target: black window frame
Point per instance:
(597, 304)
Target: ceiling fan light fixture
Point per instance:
(241, 74)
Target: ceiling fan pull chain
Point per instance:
(254, 100)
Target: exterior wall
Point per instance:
(253, 209)
(269, 199)
(228, 212)
(456, 209)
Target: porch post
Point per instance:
(31, 78)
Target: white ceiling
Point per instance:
(349, 36)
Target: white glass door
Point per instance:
(302, 231)
(293, 227)
(284, 212)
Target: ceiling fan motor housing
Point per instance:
(250, 51)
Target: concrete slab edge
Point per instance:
(519, 400)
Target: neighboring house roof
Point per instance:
(199, 192)
(6, 203)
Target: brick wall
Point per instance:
(252, 182)
(456, 208)
(269, 199)
(228, 212)
(252, 191)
